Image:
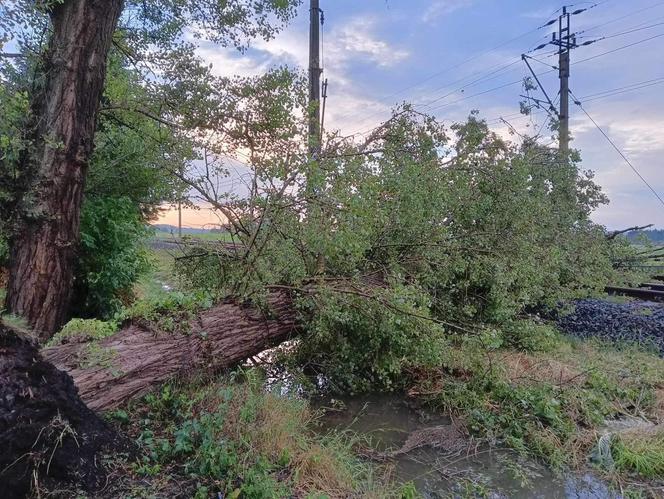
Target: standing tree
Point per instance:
(64, 114)
(64, 102)
(60, 53)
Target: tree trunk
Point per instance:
(65, 112)
(134, 360)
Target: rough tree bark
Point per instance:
(134, 360)
(65, 112)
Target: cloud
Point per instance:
(543, 13)
(353, 41)
(637, 131)
(640, 136)
(357, 38)
(229, 62)
(443, 7)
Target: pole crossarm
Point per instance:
(525, 58)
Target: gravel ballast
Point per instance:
(636, 321)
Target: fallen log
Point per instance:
(137, 358)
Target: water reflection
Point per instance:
(389, 420)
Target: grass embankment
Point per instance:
(558, 404)
(151, 285)
(531, 389)
(232, 437)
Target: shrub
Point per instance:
(171, 312)
(112, 256)
(361, 344)
(529, 335)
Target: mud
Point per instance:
(49, 438)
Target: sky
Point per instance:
(449, 57)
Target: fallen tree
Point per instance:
(137, 358)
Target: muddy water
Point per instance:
(386, 422)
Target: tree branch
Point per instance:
(616, 233)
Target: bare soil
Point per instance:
(49, 438)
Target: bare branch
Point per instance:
(616, 233)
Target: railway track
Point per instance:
(652, 291)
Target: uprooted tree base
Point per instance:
(132, 361)
(47, 435)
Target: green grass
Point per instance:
(151, 285)
(231, 436)
(549, 404)
(640, 452)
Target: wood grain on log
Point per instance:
(136, 359)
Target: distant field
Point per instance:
(207, 236)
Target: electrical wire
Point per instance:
(644, 9)
(587, 98)
(447, 70)
(618, 150)
(545, 72)
(499, 87)
(633, 30)
(618, 49)
(486, 77)
(472, 83)
(623, 92)
(624, 89)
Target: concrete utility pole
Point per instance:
(566, 41)
(180, 218)
(314, 77)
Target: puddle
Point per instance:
(388, 420)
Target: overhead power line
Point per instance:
(449, 69)
(543, 73)
(627, 32)
(488, 77)
(623, 92)
(472, 83)
(624, 89)
(619, 48)
(631, 14)
(618, 150)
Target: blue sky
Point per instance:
(380, 52)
